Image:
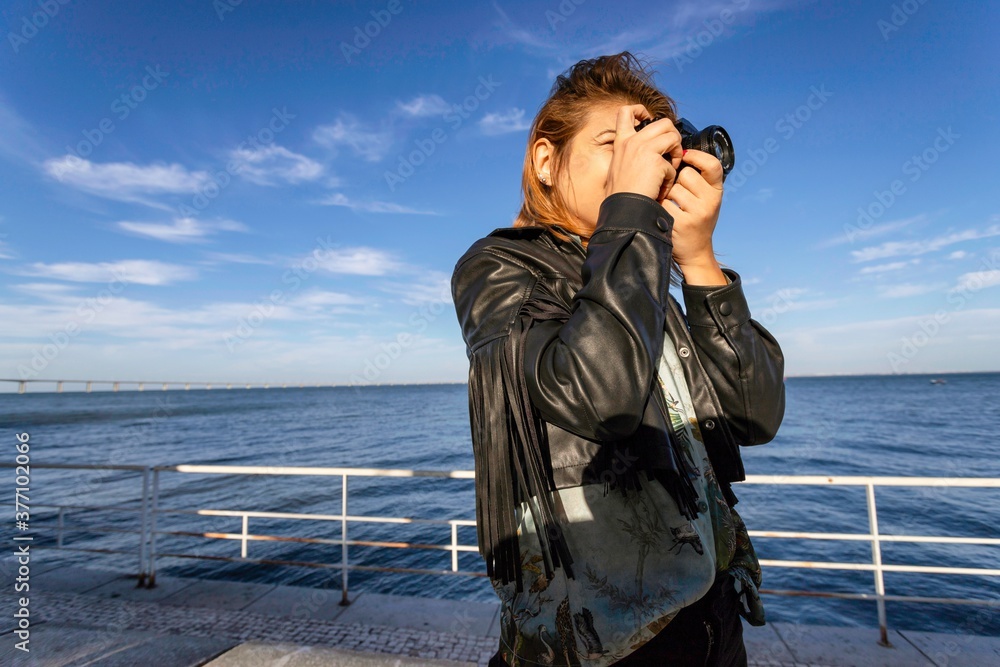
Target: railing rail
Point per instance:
(149, 510)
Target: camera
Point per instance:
(713, 140)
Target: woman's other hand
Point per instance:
(637, 163)
(694, 201)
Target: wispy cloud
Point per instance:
(369, 145)
(138, 271)
(124, 181)
(763, 195)
(429, 287)
(181, 230)
(903, 290)
(897, 248)
(891, 266)
(424, 105)
(268, 164)
(853, 233)
(975, 280)
(504, 122)
(371, 206)
(235, 258)
(359, 260)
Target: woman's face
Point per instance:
(586, 164)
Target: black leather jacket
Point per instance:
(564, 346)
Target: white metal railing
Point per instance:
(149, 510)
(140, 385)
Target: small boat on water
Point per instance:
(939, 381)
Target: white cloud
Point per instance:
(891, 266)
(424, 105)
(976, 280)
(235, 258)
(124, 180)
(853, 232)
(504, 122)
(903, 290)
(267, 164)
(137, 271)
(346, 131)
(958, 254)
(5, 251)
(897, 248)
(338, 199)
(181, 230)
(427, 288)
(359, 260)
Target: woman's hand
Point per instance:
(637, 163)
(694, 202)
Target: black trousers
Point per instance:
(706, 633)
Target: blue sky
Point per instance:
(250, 191)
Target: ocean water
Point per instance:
(863, 425)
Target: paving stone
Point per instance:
(72, 579)
(299, 602)
(956, 650)
(847, 647)
(764, 645)
(124, 588)
(218, 594)
(464, 618)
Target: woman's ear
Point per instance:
(541, 154)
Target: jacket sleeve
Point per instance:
(742, 359)
(591, 372)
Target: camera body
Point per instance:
(713, 140)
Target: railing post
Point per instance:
(877, 561)
(59, 530)
(343, 541)
(246, 526)
(454, 547)
(144, 534)
(152, 529)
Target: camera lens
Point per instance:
(714, 140)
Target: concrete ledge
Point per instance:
(764, 645)
(956, 650)
(848, 647)
(54, 646)
(257, 654)
(124, 588)
(299, 602)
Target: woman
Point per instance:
(585, 377)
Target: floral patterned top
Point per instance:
(638, 560)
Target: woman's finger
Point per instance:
(709, 166)
(686, 199)
(627, 115)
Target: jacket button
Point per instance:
(725, 307)
(684, 352)
(709, 424)
(663, 224)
